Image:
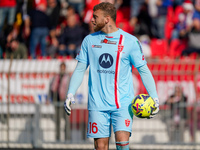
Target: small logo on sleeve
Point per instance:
(142, 57)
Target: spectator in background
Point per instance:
(142, 26)
(53, 43)
(71, 38)
(177, 120)
(184, 25)
(17, 49)
(78, 5)
(153, 13)
(194, 112)
(178, 26)
(37, 25)
(53, 11)
(158, 23)
(135, 10)
(178, 2)
(7, 18)
(145, 43)
(1, 53)
(13, 35)
(63, 8)
(58, 92)
(70, 12)
(196, 16)
(55, 38)
(59, 84)
(194, 35)
(7, 10)
(18, 24)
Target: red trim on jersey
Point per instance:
(120, 48)
(109, 36)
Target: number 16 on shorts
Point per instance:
(98, 124)
(92, 128)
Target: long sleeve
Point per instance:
(77, 77)
(148, 80)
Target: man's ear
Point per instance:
(107, 19)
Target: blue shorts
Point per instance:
(99, 122)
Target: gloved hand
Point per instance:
(67, 104)
(156, 110)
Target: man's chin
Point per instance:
(97, 29)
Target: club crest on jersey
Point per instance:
(96, 46)
(127, 122)
(120, 48)
(108, 42)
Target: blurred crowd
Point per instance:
(55, 28)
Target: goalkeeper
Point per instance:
(110, 54)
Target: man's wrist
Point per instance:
(69, 95)
(156, 100)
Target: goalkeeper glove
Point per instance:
(156, 110)
(67, 104)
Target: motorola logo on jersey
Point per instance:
(106, 60)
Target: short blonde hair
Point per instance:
(108, 8)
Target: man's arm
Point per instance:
(148, 80)
(77, 77)
(149, 84)
(75, 82)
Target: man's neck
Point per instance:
(109, 29)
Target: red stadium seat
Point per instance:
(176, 47)
(122, 20)
(172, 19)
(159, 47)
(178, 10)
(169, 25)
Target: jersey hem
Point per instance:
(100, 109)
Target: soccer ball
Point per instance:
(142, 106)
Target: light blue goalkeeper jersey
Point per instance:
(110, 58)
